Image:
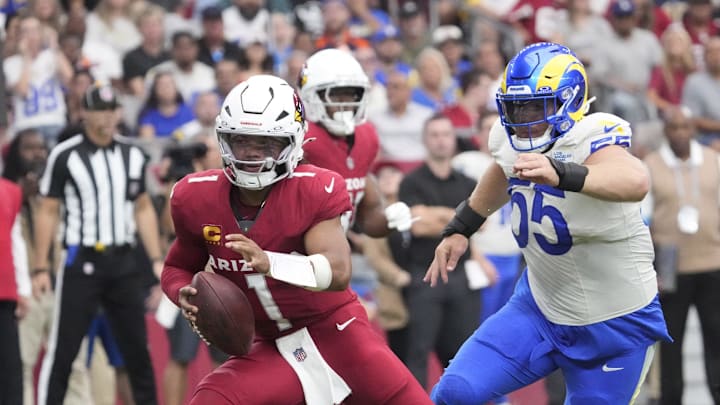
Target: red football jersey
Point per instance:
(202, 215)
(334, 153)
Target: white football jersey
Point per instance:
(44, 103)
(589, 260)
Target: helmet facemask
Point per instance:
(343, 108)
(535, 121)
(254, 162)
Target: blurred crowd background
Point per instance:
(173, 61)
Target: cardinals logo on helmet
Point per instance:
(299, 109)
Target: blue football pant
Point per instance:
(480, 372)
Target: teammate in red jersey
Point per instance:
(333, 87)
(272, 226)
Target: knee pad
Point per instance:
(455, 390)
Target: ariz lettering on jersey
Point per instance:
(235, 265)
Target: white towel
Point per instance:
(320, 383)
(167, 313)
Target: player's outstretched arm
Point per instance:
(370, 215)
(487, 197)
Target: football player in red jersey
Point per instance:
(334, 87)
(272, 226)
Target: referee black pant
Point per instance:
(91, 279)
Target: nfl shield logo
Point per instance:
(300, 354)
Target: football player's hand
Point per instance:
(399, 217)
(535, 167)
(446, 258)
(189, 311)
(250, 251)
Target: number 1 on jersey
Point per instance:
(257, 282)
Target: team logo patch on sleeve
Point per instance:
(212, 234)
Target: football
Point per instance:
(225, 318)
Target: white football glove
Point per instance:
(399, 216)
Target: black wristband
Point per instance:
(465, 222)
(572, 175)
(38, 271)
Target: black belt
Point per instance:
(107, 250)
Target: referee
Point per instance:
(99, 179)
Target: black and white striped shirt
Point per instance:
(98, 187)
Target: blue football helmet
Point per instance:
(543, 94)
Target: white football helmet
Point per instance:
(266, 106)
(324, 72)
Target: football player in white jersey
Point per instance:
(587, 303)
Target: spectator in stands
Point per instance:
(628, 57)
(280, 45)
(212, 44)
(366, 17)
(699, 23)
(165, 110)
(435, 86)
(256, 59)
(191, 76)
(580, 29)
(537, 21)
(685, 227)
(700, 95)
(400, 126)
(652, 16)
(388, 49)
(414, 32)
(111, 23)
(448, 39)
(48, 12)
(377, 95)
(294, 65)
(227, 75)
(150, 53)
(81, 80)
(100, 59)
(467, 112)
(336, 16)
(205, 109)
(490, 60)
(668, 78)
(246, 21)
(36, 76)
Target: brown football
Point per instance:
(225, 318)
